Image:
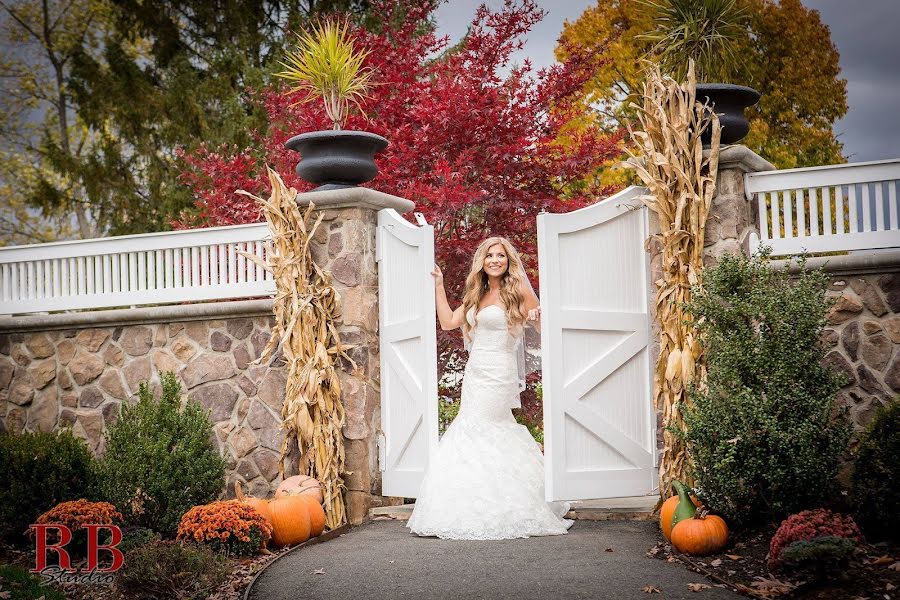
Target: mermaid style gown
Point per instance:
(486, 480)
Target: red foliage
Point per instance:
(807, 525)
(477, 151)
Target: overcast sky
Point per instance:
(866, 32)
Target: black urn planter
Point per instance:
(729, 102)
(338, 158)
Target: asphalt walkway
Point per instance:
(381, 559)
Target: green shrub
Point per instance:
(135, 537)
(37, 472)
(536, 430)
(763, 436)
(447, 411)
(22, 585)
(167, 569)
(160, 459)
(876, 473)
(818, 559)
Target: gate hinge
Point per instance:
(382, 451)
(379, 242)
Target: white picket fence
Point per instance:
(827, 209)
(153, 268)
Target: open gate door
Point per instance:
(406, 312)
(599, 422)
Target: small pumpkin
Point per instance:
(701, 534)
(290, 520)
(316, 513)
(667, 512)
(300, 485)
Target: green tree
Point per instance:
(187, 88)
(42, 141)
(101, 97)
(788, 56)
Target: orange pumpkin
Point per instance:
(700, 535)
(316, 513)
(260, 504)
(666, 513)
(290, 520)
(300, 485)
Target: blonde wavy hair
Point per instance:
(510, 286)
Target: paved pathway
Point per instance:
(381, 559)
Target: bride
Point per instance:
(486, 480)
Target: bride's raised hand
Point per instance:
(438, 276)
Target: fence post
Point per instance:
(733, 219)
(344, 245)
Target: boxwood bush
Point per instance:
(876, 473)
(764, 436)
(160, 459)
(37, 472)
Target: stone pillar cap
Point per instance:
(742, 158)
(355, 197)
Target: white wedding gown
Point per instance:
(486, 480)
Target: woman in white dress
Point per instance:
(486, 480)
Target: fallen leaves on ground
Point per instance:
(734, 556)
(319, 572)
(696, 587)
(883, 560)
(770, 587)
(649, 589)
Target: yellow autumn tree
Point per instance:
(788, 56)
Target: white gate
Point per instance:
(599, 422)
(409, 405)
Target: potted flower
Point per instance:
(325, 65)
(711, 33)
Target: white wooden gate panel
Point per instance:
(599, 423)
(409, 406)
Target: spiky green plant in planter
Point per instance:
(325, 64)
(710, 33)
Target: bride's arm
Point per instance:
(449, 318)
(532, 306)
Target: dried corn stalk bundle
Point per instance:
(669, 160)
(306, 310)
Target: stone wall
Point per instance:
(863, 334)
(76, 370)
(81, 377)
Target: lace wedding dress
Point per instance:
(486, 480)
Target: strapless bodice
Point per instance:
(490, 332)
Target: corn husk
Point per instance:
(681, 183)
(307, 310)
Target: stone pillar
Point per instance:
(344, 244)
(732, 218)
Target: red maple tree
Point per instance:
(474, 140)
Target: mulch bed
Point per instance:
(243, 572)
(874, 573)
